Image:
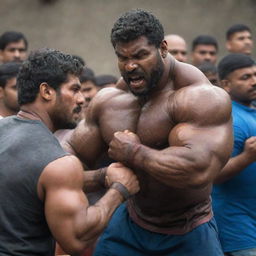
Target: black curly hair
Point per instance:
(45, 65)
(135, 23)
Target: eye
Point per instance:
(174, 52)
(76, 88)
(245, 77)
(141, 55)
(121, 57)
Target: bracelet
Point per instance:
(121, 189)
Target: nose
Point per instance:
(208, 56)
(17, 54)
(130, 66)
(180, 57)
(85, 94)
(247, 40)
(80, 99)
(254, 81)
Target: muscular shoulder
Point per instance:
(63, 172)
(203, 104)
(186, 75)
(108, 98)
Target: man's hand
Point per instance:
(123, 146)
(117, 172)
(250, 148)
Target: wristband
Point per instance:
(121, 189)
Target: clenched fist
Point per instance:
(117, 172)
(250, 148)
(123, 145)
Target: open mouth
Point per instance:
(136, 81)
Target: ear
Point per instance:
(225, 84)
(163, 49)
(228, 45)
(46, 91)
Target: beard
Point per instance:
(151, 80)
(12, 106)
(64, 124)
(61, 117)
(61, 121)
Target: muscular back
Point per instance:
(186, 136)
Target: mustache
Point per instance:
(77, 110)
(253, 89)
(134, 72)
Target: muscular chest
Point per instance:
(150, 121)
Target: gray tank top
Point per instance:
(26, 148)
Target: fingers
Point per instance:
(251, 139)
(251, 143)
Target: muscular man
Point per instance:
(234, 198)
(177, 47)
(174, 128)
(239, 39)
(13, 46)
(204, 49)
(41, 186)
(8, 89)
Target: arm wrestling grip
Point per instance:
(121, 189)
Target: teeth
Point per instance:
(135, 78)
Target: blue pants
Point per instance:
(123, 237)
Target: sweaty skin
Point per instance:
(177, 140)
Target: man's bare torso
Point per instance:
(153, 119)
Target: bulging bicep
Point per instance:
(86, 142)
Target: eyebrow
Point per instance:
(76, 85)
(13, 48)
(134, 54)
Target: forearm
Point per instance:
(87, 224)
(176, 166)
(94, 180)
(233, 167)
(96, 217)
